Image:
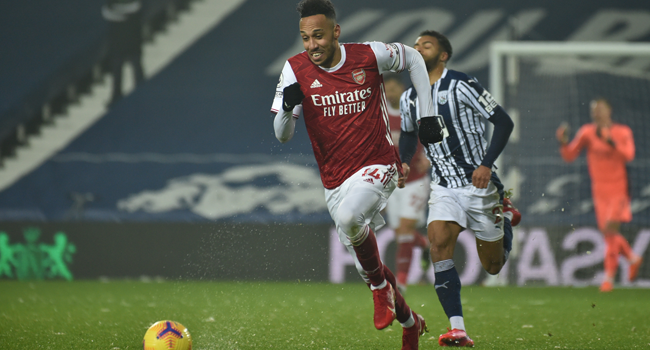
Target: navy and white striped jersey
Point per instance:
(463, 103)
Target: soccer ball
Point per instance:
(167, 335)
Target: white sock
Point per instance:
(457, 322)
(405, 238)
(409, 323)
(382, 285)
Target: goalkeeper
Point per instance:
(609, 147)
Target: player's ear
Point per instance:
(337, 31)
(444, 57)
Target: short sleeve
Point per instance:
(287, 77)
(390, 57)
(474, 95)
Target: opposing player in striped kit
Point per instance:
(339, 90)
(465, 191)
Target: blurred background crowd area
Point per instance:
(186, 136)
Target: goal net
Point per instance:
(544, 84)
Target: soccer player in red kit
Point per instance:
(609, 147)
(339, 89)
(406, 207)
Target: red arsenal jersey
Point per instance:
(345, 108)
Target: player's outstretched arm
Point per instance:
(432, 128)
(408, 143)
(420, 79)
(284, 124)
(570, 151)
(623, 143)
(562, 133)
(476, 97)
(503, 126)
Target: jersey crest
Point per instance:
(442, 97)
(359, 76)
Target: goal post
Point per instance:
(542, 84)
(512, 49)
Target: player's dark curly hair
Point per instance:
(442, 40)
(308, 8)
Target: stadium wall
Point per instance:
(552, 256)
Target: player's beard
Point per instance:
(328, 55)
(433, 62)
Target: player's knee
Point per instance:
(439, 245)
(440, 250)
(349, 222)
(494, 269)
(441, 239)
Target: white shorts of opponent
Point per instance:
(358, 201)
(408, 202)
(477, 209)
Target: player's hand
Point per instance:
(292, 96)
(401, 181)
(432, 129)
(481, 176)
(562, 133)
(605, 134)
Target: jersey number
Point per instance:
(373, 174)
(487, 101)
(384, 176)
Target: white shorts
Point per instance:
(367, 191)
(409, 202)
(477, 209)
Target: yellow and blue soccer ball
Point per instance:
(167, 335)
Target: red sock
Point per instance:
(368, 255)
(611, 255)
(404, 257)
(624, 247)
(402, 310)
(421, 241)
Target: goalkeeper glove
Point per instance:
(292, 96)
(605, 134)
(562, 133)
(432, 129)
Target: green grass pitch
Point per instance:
(295, 315)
